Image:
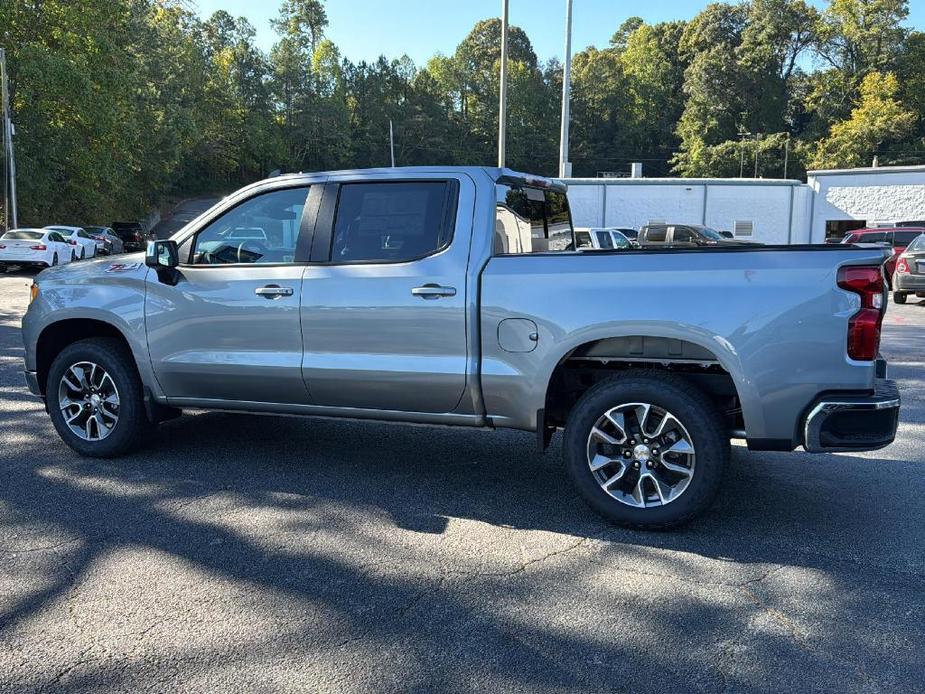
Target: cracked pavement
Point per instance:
(277, 554)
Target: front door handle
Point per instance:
(273, 291)
(433, 291)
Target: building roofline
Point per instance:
(757, 182)
(916, 168)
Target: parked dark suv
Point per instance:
(132, 234)
(684, 236)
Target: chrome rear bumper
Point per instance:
(853, 422)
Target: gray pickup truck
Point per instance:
(430, 295)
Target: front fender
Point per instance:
(94, 293)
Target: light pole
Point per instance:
(392, 142)
(742, 137)
(502, 107)
(9, 161)
(565, 167)
(757, 147)
(786, 154)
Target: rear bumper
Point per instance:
(853, 422)
(905, 282)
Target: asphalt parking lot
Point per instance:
(276, 554)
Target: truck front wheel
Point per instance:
(95, 398)
(646, 450)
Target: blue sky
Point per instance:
(364, 29)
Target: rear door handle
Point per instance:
(273, 291)
(433, 291)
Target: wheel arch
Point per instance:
(58, 335)
(708, 361)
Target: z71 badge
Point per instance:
(123, 267)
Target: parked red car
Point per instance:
(897, 237)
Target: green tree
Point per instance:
(878, 118)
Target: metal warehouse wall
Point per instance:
(779, 210)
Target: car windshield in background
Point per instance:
(22, 235)
(918, 243)
(711, 233)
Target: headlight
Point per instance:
(33, 292)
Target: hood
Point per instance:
(121, 265)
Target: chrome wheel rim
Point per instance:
(641, 455)
(89, 401)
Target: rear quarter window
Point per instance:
(532, 220)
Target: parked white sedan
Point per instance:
(83, 244)
(35, 248)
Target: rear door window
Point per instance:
(603, 239)
(904, 238)
(392, 222)
(656, 234)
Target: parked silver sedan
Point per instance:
(909, 275)
(107, 241)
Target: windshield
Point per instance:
(22, 235)
(711, 233)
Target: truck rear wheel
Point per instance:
(95, 398)
(899, 297)
(646, 450)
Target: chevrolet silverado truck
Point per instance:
(430, 295)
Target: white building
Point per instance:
(765, 210)
(846, 199)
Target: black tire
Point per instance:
(899, 297)
(73, 256)
(131, 430)
(54, 260)
(83, 253)
(690, 406)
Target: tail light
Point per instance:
(72, 242)
(38, 247)
(902, 265)
(864, 326)
(2, 246)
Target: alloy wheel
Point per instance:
(89, 401)
(641, 455)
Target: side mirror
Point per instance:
(164, 257)
(162, 254)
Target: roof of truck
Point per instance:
(495, 173)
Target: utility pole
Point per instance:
(502, 108)
(565, 167)
(392, 142)
(9, 161)
(757, 147)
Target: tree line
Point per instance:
(122, 104)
